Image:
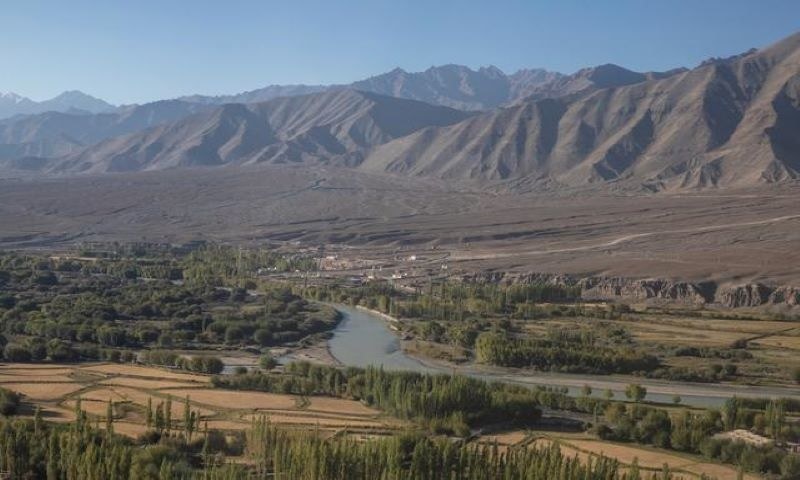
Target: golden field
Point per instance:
(56, 390)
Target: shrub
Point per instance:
(267, 362)
(16, 353)
(9, 402)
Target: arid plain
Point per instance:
(726, 236)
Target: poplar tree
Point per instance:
(168, 414)
(148, 413)
(110, 417)
(187, 417)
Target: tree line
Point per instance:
(305, 456)
(65, 310)
(500, 348)
(444, 403)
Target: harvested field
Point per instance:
(227, 425)
(95, 401)
(145, 383)
(57, 414)
(49, 371)
(285, 419)
(505, 438)
(647, 458)
(102, 395)
(147, 372)
(131, 386)
(34, 378)
(236, 400)
(779, 341)
(755, 327)
(681, 335)
(44, 391)
(626, 454)
(340, 406)
(129, 429)
(92, 407)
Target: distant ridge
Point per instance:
(731, 122)
(336, 125)
(54, 134)
(74, 101)
(458, 86)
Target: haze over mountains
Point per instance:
(338, 124)
(727, 123)
(55, 134)
(74, 101)
(454, 86)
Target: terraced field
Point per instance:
(586, 448)
(56, 389)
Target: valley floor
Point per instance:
(720, 235)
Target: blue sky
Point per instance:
(142, 50)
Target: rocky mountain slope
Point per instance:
(588, 80)
(458, 86)
(26, 141)
(733, 122)
(454, 86)
(338, 125)
(730, 122)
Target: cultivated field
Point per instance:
(774, 345)
(56, 389)
(682, 466)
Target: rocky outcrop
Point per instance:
(786, 296)
(750, 295)
(679, 292)
(506, 278)
(657, 289)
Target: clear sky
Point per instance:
(142, 50)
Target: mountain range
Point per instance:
(71, 101)
(732, 122)
(55, 134)
(729, 122)
(338, 124)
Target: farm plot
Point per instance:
(683, 466)
(129, 389)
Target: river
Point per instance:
(362, 339)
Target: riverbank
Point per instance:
(393, 321)
(364, 338)
(318, 353)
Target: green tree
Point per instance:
(159, 418)
(187, 417)
(635, 392)
(168, 414)
(730, 413)
(790, 467)
(110, 417)
(267, 362)
(148, 413)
